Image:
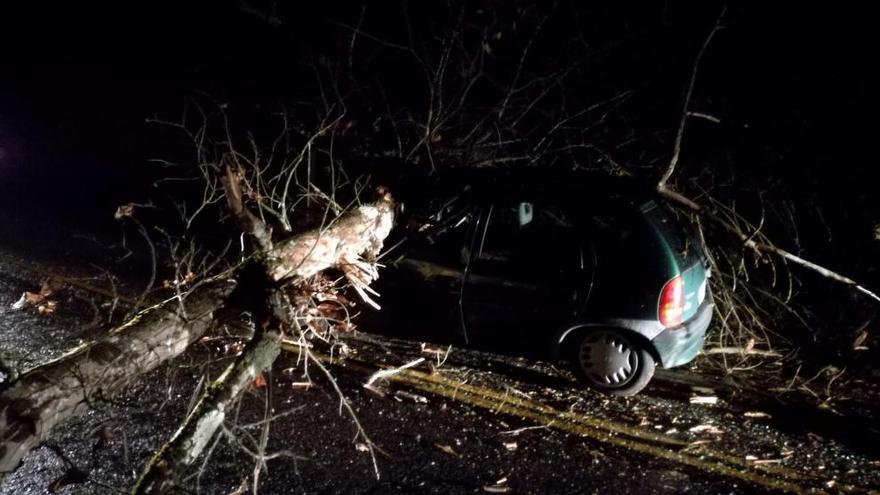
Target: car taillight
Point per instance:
(671, 307)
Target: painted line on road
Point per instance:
(770, 476)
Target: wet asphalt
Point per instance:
(425, 443)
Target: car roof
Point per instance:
(492, 184)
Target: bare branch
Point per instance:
(683, 201)
(676, 148)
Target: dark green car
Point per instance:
(596, 272)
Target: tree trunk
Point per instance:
(46, 395)
(198, 429)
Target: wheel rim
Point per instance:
(608, 359)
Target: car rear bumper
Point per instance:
(680, 345)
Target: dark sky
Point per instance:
(792, 82)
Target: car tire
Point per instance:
(612, 361)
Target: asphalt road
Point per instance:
(459, 421)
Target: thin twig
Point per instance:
(679, 135)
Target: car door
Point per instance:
(529, 271)
(433, 272)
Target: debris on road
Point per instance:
(401, 395)
(447, 449)
(392, 371)
(40, 300)
(703, 395)
(756, 461)
(499, 486)
(706, 428)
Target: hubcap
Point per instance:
(608, 359)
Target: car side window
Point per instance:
(530, 235)
(446, 243)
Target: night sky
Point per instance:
(792, 85)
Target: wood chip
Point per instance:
(377, 391)
(432, 351)
(704, 399)
(860, 339)
(756, 414)
(706, 428)
(446, 448)
(401, 395)
(496, 489)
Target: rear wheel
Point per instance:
(611, 361)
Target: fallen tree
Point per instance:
(41, 398)
(199, 428)
(348, 245)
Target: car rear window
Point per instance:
(677, 233)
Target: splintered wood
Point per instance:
(350, 244)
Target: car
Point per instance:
(596, 272)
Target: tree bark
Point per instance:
(44, 396)
(199, 428)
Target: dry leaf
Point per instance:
(46, 309)
(259, 381)
(124, 211)
(34, 298)
(330, 310)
